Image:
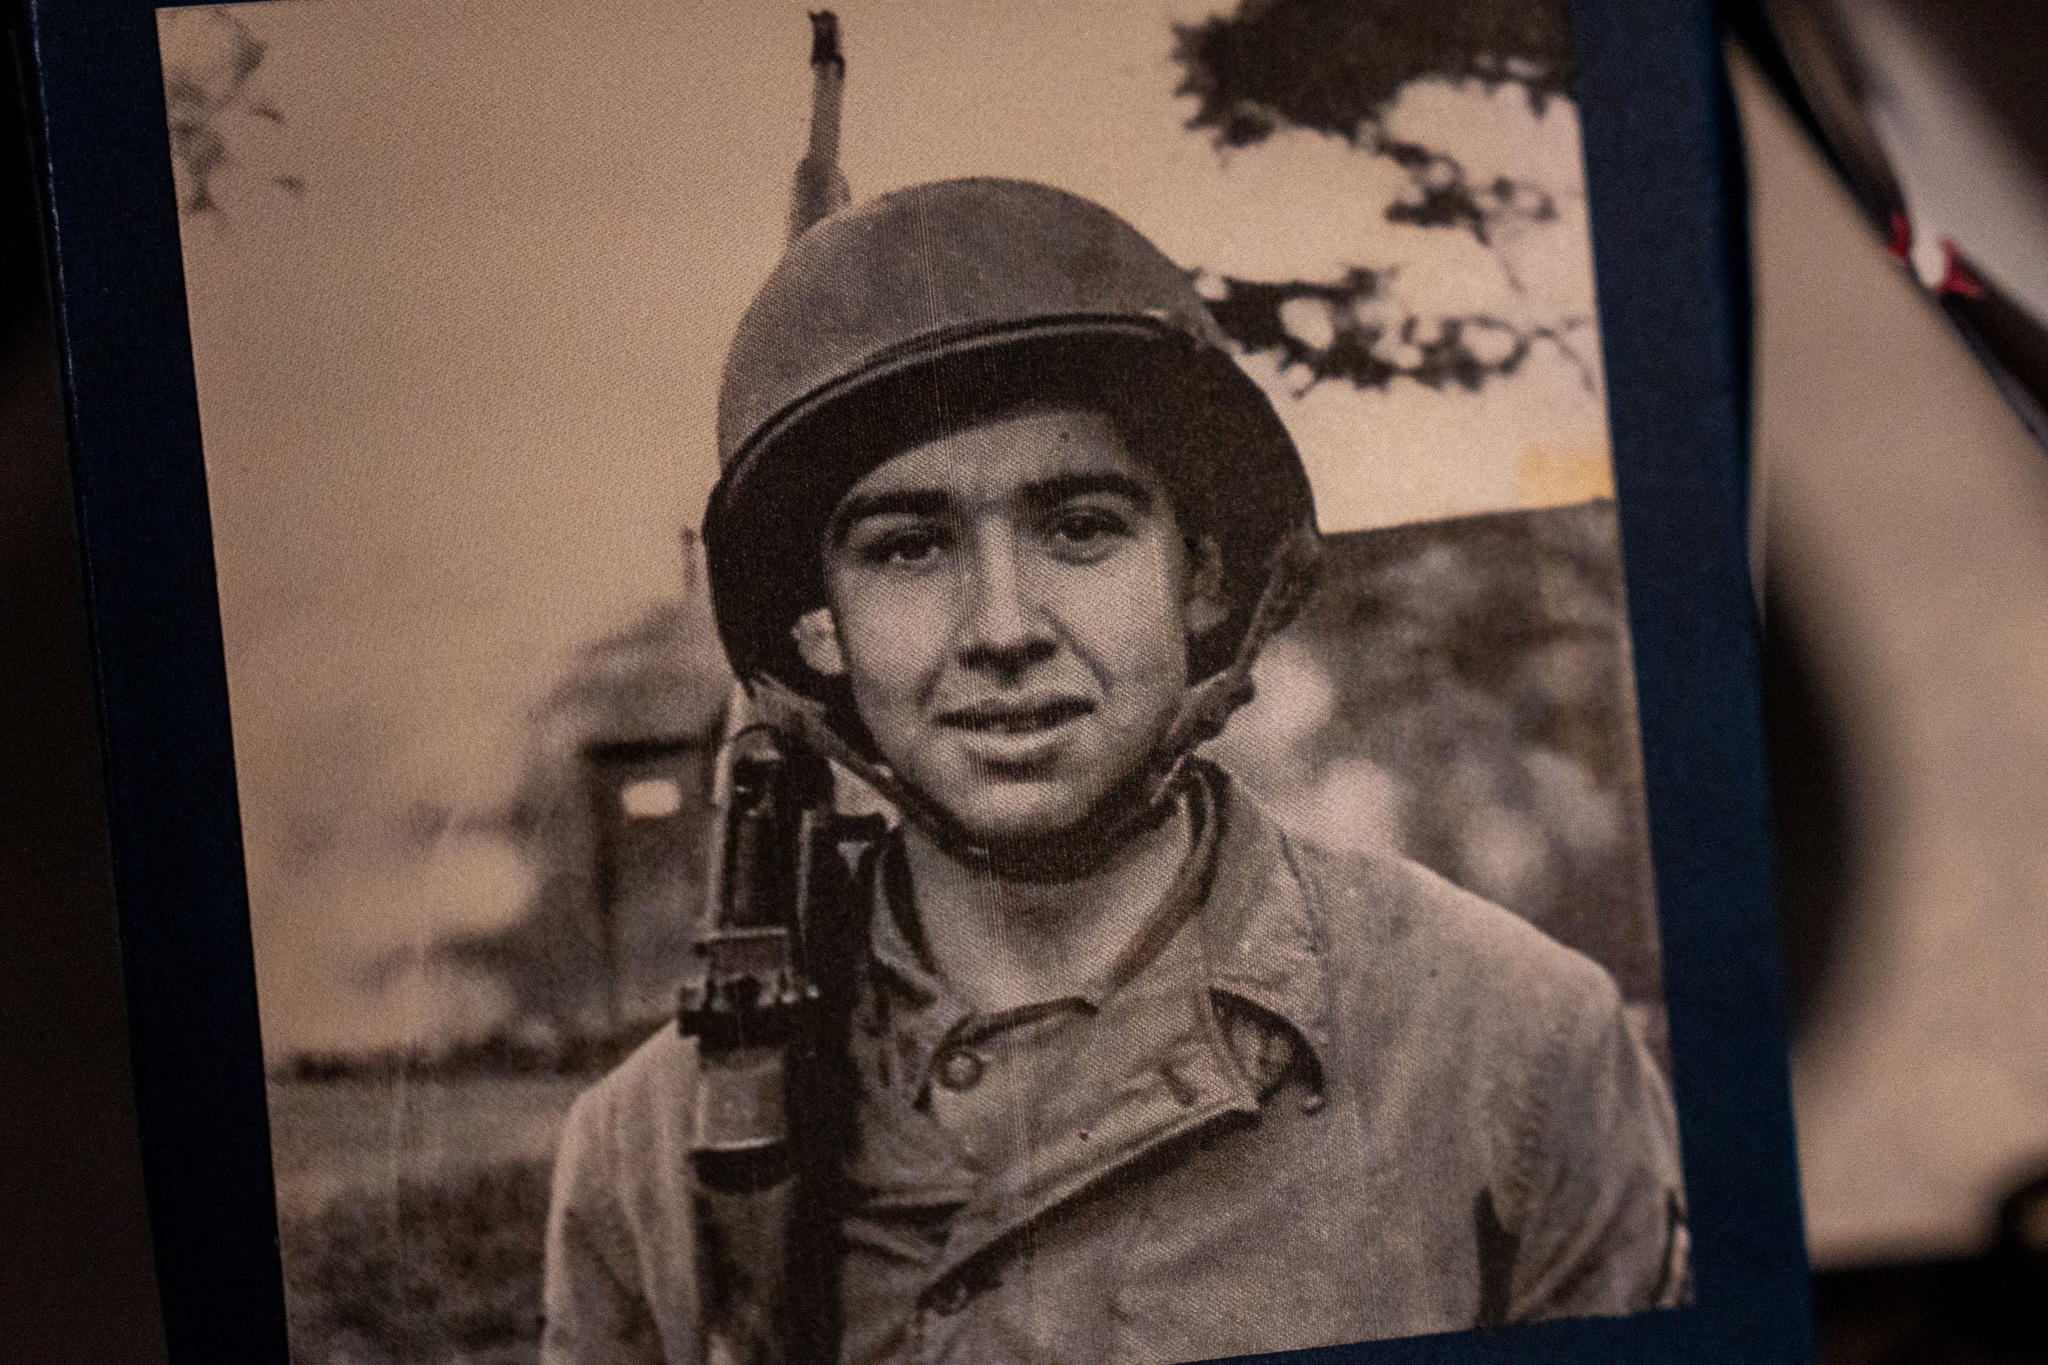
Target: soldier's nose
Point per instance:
(1002, 630)
(1009, 663)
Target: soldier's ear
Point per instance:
(1204, 605)
(817, 642)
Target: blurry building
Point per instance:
(614, 815)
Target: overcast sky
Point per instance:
(457, 396)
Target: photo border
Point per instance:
(1666, 193)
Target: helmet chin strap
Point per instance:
(1134, 806)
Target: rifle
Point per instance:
(775, 1098)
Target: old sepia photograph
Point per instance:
(926, 682)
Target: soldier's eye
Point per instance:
(902, 546)
(1088, 527)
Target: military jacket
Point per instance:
(1341, 1099)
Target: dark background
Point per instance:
(76, 1281)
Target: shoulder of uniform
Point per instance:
(1402, 931)
(1445, 1002)
(654, 1082)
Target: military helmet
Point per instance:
(938, 306)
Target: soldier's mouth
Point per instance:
(1015, 718)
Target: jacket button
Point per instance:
(950, 1297)
(961, 1070)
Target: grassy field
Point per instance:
(353, 1138)
(410, 1215)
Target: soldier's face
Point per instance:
(1012, 605)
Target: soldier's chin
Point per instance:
(1042, 832)
(1019, 818)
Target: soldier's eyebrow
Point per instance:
(907, 502)
(1051, 492)
(1039, 495)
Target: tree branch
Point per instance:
(1350, 331)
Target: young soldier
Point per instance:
(1140, 1077)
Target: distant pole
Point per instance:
(820, 188)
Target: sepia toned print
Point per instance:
(1119, 836)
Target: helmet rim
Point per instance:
(793, 472)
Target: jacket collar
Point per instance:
(1262, 936)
